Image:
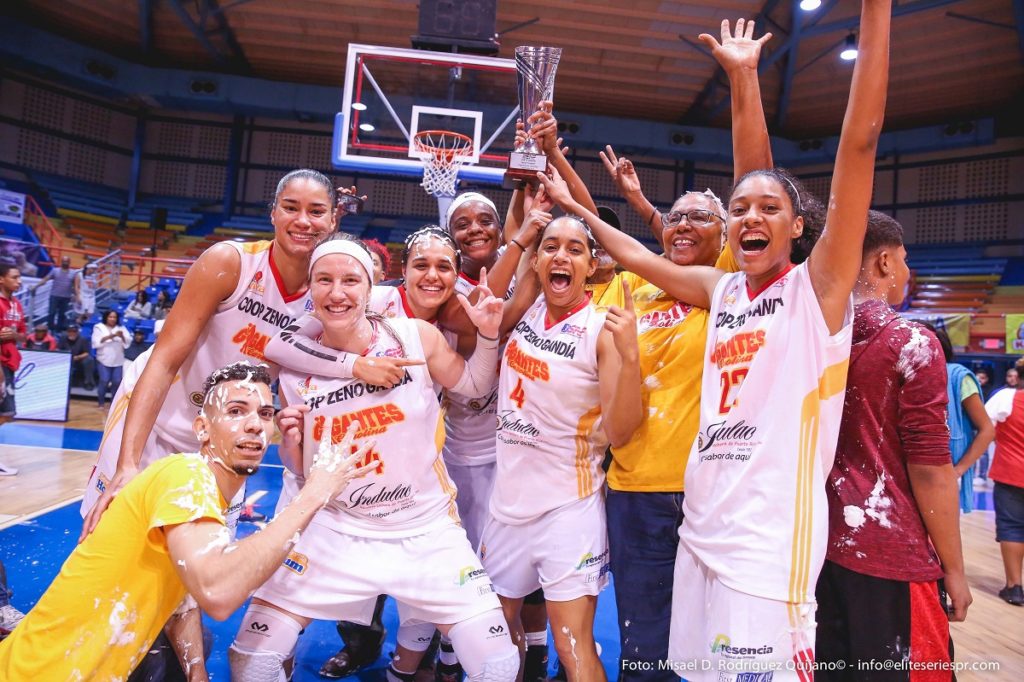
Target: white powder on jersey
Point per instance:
(652, 382)
(854, 516)
(916, 353)
(120, 619)
(878, 503)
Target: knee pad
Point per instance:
(265, 640)
(485, 648)
(416, 636)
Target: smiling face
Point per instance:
(236, 424)
(302, 216)
(340, 289)
(110, 319)
(762, 225)
(430, 274)
(564, 262)
(476, 231)
(686, 244)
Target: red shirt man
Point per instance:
(12, 332)
(879, 591)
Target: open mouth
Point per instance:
(560, 280)
(477, 243)
(253, 447)
(338, 308)
(754, 242)
(683, 243)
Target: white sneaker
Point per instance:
(7, 471)
(10, 617)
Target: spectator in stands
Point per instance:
(162, 306)
(381, 259)
(140, 308)
(138, 347)
(83, 367)
(970, 430)
(1006, 409)
(85, 292)
(12, 332)
(25, 267)
(1012, 378)
(41, 339)
(60, 294)
(984, 375)
(109, 340)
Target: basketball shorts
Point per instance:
(435, 577)
(564, 551)
(719, 634)
(475, 484)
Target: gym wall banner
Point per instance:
(41, 385)
(1015, 334)
(12, 207)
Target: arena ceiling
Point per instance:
(951, 59)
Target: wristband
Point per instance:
(516, 242)
(486, 338)
(653, 213)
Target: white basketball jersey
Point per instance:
(550, 437)
(409, 492)
(469, 422)
(755, 511)
(239, 330)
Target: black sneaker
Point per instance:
(352, 659)
(1012, 595)
(536, 667)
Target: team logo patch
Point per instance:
(196, 398)
(308, 307)
(256, 284)
(306, 386)
(296, 562)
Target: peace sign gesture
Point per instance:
(486, 313)
(737, 50)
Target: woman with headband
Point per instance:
(754, 533)
(396, 531)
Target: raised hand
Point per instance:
(622, 171)
(739, 49)
(382, 371)
(621, 322)
(486, 313)
(556, 188)
(544, 128)
(335, 465)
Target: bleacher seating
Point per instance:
(953, 279)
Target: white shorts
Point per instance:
(435, 577)
(474, 484)
(721, 635)
(157, 446)
(565, 551)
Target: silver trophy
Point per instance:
(535, 72)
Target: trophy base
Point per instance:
(524, 166)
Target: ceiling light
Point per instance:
(366, 127)
(849, 52)
(358, 106)
(810, 5)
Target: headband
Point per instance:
(346, 247)
(799, 202)
(462, 199)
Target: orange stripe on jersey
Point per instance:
(447, 487)
(584, 475)
(831, 383)
(116, 412)
(256, 247)
(439, 432)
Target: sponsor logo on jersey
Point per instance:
(101, 483)
(306, 386)
(196, 398)
(252, 342)
(766, 306)
(482, 404)
(375, 495)
(738, 438)
(722, 644)
(530, 367)
(352, 390)
(256, 284)
(508, 421)
(308, 307)
(573, 330)
(738, 349)
(373, 421)
(264, 313)
(562, 348)
(296, 562)
(469, 574)
(663, 319)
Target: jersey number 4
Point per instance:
(518, 396)
(731, 381)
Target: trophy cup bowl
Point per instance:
(535, 74)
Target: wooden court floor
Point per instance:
(993, 632)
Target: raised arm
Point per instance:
(693, 284)
(618, 369)
(738, 55)
(835, 262)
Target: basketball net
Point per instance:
(443, 153)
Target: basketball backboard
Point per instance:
(392, 93)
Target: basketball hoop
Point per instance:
(443, 152)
